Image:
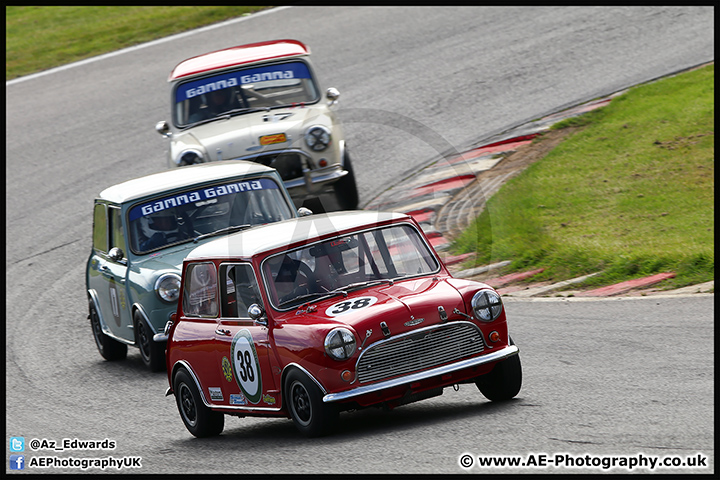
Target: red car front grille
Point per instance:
(419, 350)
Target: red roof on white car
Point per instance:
(240, 55)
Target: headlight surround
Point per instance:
(189, 157)
(318, 138)
(340, 344)
(167, 287)
(486, 305)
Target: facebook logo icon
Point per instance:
(17, 462)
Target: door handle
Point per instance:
(221, 331)
(107, 272)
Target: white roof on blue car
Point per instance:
(179, 178)
(264, 238)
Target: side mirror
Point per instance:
(163, 129)
(257, 313)
(163, 336)
(332, 95)
(116, 254)
(304, 212)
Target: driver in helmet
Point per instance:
(159, 230)
(217, 103)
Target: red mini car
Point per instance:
(307, 317)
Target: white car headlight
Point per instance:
(340, 344)
(167, 287)
(189, 157)
(486, 305)
(318, 138)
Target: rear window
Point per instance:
(200, 297)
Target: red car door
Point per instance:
(242, 346)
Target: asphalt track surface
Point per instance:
(602, 377)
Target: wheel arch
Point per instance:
(93, 297)
(182, 364)
(295, 367)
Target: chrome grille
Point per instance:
(419, 350)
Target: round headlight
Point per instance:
(340, 344)
(317, 138)
(486, 305)
(167, 287)
(189, 157)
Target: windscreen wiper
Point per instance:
(237, 111)
(367, 283)
(235, 228)
(338, 291)
(228, 114)
(314, 295)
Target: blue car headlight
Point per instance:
(167, 287)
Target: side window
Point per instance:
(200, 294)
(100, 228)
(238, 290)
(117, 238)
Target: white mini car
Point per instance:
(260, 102)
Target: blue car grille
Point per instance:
(420, 350)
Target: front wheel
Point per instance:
(346, 192)
(311, 416)
(198, 419)
(152, 352)
(504, 381)
(109, 349)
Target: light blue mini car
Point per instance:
(142, 231)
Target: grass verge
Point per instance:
(39, 38)
(629, 194)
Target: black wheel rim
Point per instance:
(144, 342)
(97, 330)
(187, 405)
(301, 403)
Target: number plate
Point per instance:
(270, 139)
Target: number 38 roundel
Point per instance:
(349, 306)
(246, 365)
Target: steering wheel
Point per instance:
(309, 283)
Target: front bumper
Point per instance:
(297, 171)
(313, 181)
(415, 377)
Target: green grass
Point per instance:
(630, 194)
(39, 38)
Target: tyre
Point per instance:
(152, 352)
(198, 418)
(311, 416)
(504, 381)
(109, 349)
(345, 188)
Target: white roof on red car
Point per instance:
(240, 55)
(296, 231)
(179, 178)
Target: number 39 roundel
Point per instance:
(246, 366)
(349, 306)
